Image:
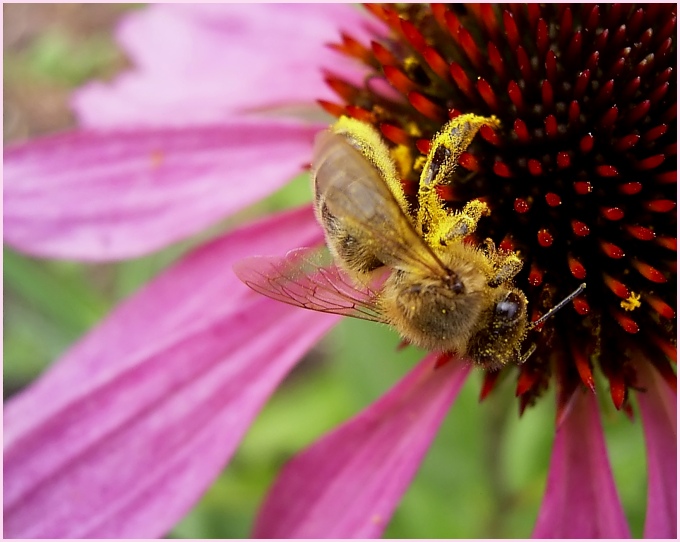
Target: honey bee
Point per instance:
(412, 271)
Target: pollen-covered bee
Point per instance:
(413, 271)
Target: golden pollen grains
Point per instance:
(415, 271)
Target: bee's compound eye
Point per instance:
(508, 308)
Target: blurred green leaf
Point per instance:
(59, 290)
(54, 56)
(48, 305)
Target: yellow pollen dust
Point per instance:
(419, 163)
(413, 130)
(402, 156)
(379, 111)
(632, 303)
(410, 63)
(156, 158)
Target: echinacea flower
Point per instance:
(123, 434)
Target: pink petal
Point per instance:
(581, 500)
(201, 63)
(348, 484)
(659, 417)
(113, 195)
(124, 433)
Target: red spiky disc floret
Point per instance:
(581, 177)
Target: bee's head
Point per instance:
(498, 340)
(509, 310)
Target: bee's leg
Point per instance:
(506, 266)
(445, 150)
(459, 224)
(489, 247)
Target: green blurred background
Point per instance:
(485, 473)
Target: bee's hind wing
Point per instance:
(307, 278)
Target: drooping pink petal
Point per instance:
(348, 484)
(202, 63)
(580, 499)
(112, 195)
(124, 433)
(660, 422)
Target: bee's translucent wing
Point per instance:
(348, 187)
(305, 278)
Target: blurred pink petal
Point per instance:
(660, 421)
(122, 436)
(202, 63)
(580, 499)
(348, 483)
(103, 196)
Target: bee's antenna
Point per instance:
(557, 307)
(527, 354)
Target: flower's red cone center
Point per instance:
(580, 178)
